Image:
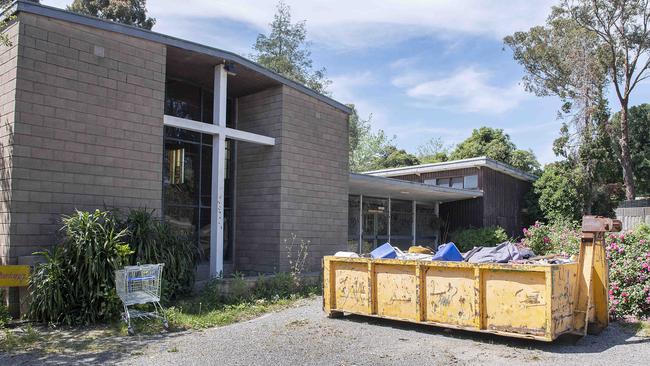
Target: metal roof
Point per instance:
(60, 14)
(456, 164)
(369, 185)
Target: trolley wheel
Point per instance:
(166, 324)
(130, 331)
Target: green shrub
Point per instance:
(154, 241)
(469, 238)
(50, 287)
(629, 272)
(76, 284)
(5, 316)
(561, 237)
(279, 286)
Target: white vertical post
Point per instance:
(217, 205)
(414, 221)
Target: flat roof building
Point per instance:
(499, 191)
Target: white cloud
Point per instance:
(465, 90)
(349, 88)
(362, 23)
(343, 86)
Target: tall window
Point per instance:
(375, 223)
(187, 175)
(401, 223)
(354, 221)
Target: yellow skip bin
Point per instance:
(536, 301)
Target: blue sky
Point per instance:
(422, 68)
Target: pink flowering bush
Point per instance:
(629, 272)
(559, 237)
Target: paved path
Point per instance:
(304, 336)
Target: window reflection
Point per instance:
(187, 175)
(375, 221)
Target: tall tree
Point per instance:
(557, 190)
(564, 59)
(622, 27)
(392, 157)
(639, 124)
(131, 12)
(495, 144)
(370, 150)
(286, 51)
(4, 38)
(366, 147)
(433, 151)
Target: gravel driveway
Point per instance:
(302, 335)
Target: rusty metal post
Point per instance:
(590, 305)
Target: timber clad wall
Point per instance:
(501, 204)
(88, 127)
(503, 201)
(299, 186)
(8, 62)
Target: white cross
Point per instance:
(219, 133)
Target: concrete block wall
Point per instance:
(88, 126)
(297, 187)
(257, 186)
(8, 63)
(314, 178)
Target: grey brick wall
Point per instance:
(257, 202)
(88, 126)
(314, 177)
(8, 63)
(297, 187)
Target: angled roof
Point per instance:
(482, 161)
(60, 14)
(369, 185)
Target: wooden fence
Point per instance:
(633, 213)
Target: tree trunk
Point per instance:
(626, 161)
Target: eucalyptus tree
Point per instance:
(561, 58)
(622, 30)
(131, 12)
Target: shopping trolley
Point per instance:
(140, 285)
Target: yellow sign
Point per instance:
(14, 276)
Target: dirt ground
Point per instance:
(302, 335)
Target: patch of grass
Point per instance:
(19, 339)
(639, 328)
(193, 314)
(189, 318)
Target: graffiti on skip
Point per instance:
(351, 288)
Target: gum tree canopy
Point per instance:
(131, 12)
(585, 45)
